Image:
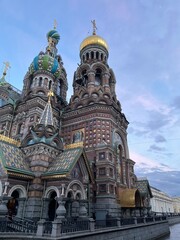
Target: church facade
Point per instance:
(67, 157)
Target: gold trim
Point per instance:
(9, 140)
(74, 145)
(19, 175)
(54, 176)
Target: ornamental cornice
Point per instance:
(41, 148)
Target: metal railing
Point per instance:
(74, 226)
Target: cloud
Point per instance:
(159, 139)
(148, 165)
(167, 181)
(151, 104)
(176, 102)
(156, 148)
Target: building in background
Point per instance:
(161, 203)
(176, 204)
(69, 159)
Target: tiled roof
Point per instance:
(12, 159)
(64, 162)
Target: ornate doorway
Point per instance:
(12, 204)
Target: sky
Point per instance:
(144, 53)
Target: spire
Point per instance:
(2, 79)
(47, 114)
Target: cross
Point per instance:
(94, 27)
(7, 65)
(55, 24)
(50, 94)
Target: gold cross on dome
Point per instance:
(7, 66)
(94, 26)
(50, 94)
(55, 24)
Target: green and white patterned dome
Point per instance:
(45, 62)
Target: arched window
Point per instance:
(97, 55)
(98, 77)
(19, 128)
(40, 81)
(87, 56)
(101, 57)
(50, 84)
(92, 55)
(58, 87)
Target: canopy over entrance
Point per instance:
(129, 198)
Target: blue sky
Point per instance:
(144, 52)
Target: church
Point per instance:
(67, 157)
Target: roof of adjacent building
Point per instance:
(144, 187)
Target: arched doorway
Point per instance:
(12, 204)
(53, 205)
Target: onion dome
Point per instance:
(94, 40)
(45, 62)
(54, 35)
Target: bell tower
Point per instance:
(95, 113)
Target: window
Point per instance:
(102, 171)
(110, 156)
(111, 188)
(101, 155)
(102, 188)
(111, 172)
(40, 81)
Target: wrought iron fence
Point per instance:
(105, 223)
(127, 221)
(74, 225)
(47, 227)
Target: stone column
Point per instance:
(60, 211)
(82, 209)
(105, 79)
(45, 208)
(91, 80)
(3, 206)
(20, 209)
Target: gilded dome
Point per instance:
(95, 40)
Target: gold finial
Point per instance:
(55, 24)
(94, 27)
(7, 66)
(50, 94)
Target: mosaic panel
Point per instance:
(12, 157)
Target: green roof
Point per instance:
(64, 162)
(12, 159)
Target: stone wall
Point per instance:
(151, 231)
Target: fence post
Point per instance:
(56, 228)
(40, 228)
(118, 222)
(91, 224)
(144, 220)
(135, 220)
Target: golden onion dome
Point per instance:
(94, 40)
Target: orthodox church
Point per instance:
(70, 157)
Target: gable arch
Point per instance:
(21, 190)
(51, 189)
(120, 142)
(79, 191)
(100, 66)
